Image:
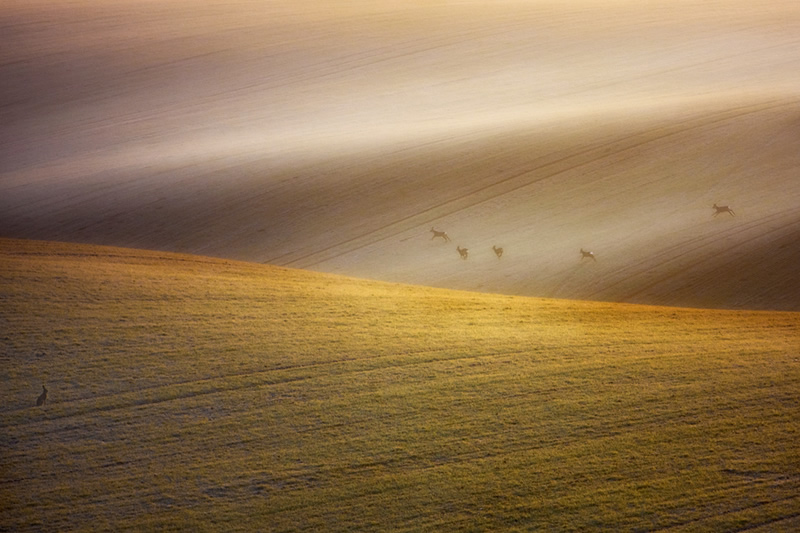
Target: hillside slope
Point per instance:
(333, 136)
(203, 394)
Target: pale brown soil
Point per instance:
(311, 135)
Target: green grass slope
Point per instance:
(204, 394)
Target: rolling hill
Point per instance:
(332, 136)
(365, 377)
(194, 393)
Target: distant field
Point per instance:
(332, 135)
(204, 394)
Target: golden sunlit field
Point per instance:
(221, 253)
(204, 394)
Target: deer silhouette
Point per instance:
(42, 397)
(722, 209)
(498, 251)
(442, 234)
(585, 254)
(463, 251)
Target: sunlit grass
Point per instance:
(203, 394)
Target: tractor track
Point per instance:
(542, 172)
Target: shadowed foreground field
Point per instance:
(205, 394)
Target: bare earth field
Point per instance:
(200, 394)
(333, 135)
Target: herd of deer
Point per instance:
(464, 252)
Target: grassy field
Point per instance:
(203, 394)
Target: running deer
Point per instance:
(498, 251)
(585, 254)
(722, 209)
(442, 234)
(463, 251)
(42, 397)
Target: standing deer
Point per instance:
(497, 251)
(442, 234)
(42, 397)
(585, 254)
(722, 209)
(463, 251)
